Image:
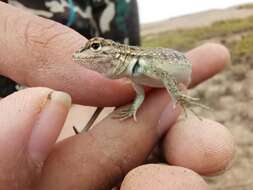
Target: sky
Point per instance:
(155, 10)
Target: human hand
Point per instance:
(37, 52)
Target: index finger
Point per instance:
(38, 52)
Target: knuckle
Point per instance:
(42, 38)
(41, 33)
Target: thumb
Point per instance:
(31, 121)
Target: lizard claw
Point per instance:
(188, 101)
(125, 113)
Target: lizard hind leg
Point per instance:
(187, 102)
(184, 100)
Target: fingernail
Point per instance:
(60, 98)
(48, 125)
(168, 117)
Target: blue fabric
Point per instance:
(72, 14)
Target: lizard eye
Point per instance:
(95, 46)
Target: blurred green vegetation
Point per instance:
(244, 46)
(237, 35)
(246, 6)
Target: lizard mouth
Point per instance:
(77, 57)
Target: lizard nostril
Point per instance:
(75, 56)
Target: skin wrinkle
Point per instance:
(43, 61)
(51, 31)
(47, 33)
(101, 147)
(119, 170)
(19, 32)
(27, 27)
(125, 158)
(10, 28)
(39, 39)
(44, 56)
(86, 160)
(31, 44)
(111, 161)
(53, 37)
(34, 38)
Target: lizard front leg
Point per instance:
(124, 113)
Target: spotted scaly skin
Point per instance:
(153, 67)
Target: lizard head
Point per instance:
(98, 55)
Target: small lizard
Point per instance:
(153, 67)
